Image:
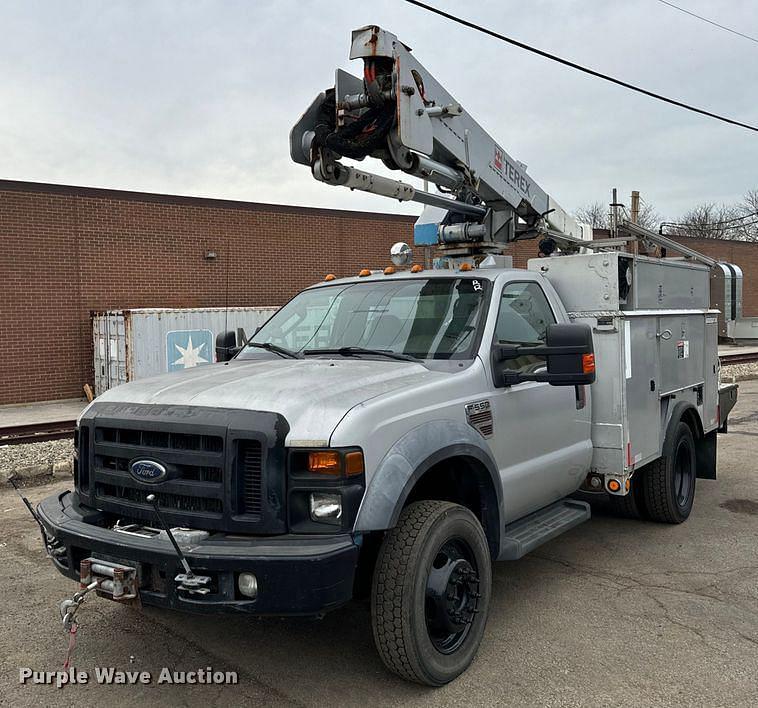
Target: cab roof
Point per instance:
(378, 275)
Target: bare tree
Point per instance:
(648, 217)
(598, 216)
(721, 221)
(595, 214)
(749, 212)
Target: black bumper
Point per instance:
(297, 575)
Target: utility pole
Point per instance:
(635, 207)
(635, 216)
(615, 214)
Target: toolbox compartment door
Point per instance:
(641, 373)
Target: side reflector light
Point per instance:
(354, 463)
(588, 363)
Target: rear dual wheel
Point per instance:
(431, 592)
(663, 490)
(669, 482)
(632, 504)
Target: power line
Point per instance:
(718, 223)
(710, 22)
(578, 67)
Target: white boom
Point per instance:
(399, 113)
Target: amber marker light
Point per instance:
(364, 272)
(416, 268)
(324, 462)
(588, 363)
(354, 463)
(465, 266)
(330, 276)
(389, 270)
(614, 486)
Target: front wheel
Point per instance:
(430, 592)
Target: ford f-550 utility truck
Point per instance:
(400, 430)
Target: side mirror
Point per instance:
(226, 346)
(569, 353)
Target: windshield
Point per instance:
(434, 318)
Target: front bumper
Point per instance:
(297, 575)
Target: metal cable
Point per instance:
(579, 67)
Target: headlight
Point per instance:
(324, 489)
(326, 507)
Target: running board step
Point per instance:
(526, 534)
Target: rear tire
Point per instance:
(430, 592)
(669, 482)
(632, 504)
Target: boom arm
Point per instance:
(399, 113)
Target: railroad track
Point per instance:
(738, 357)
(37, 432)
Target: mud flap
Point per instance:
(705, 456)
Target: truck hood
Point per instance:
(312, 394)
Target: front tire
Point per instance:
(669, 482)
(430, 592)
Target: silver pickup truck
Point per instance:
(394, 433)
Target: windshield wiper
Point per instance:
(352, 351)
(281, 351)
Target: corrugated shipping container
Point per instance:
(134, 344)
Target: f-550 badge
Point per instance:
(479, 417)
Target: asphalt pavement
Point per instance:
(615, 612)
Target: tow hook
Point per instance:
(187, 581)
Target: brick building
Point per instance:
(69, 250)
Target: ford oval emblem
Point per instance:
(148, 471)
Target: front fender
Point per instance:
(409, 458)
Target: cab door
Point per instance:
(542, 433)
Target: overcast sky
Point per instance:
(198, 98)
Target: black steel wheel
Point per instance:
(430, 592)
(669, 482)
(452, 595)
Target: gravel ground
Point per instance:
(739, 372)
(34, 460)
